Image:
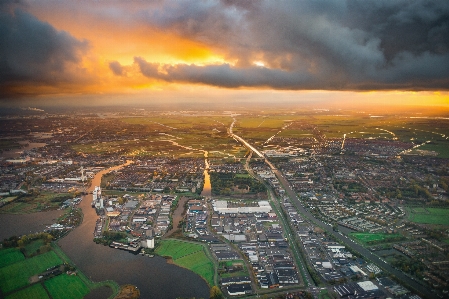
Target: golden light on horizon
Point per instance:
(135, 47)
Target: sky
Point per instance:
(377, 52)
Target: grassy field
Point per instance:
(437, 216)
(10, 256)
(36, 291)
(176, 249)
(418, 210)
(15, 276)
(441, 148)
(370, 237)
(190, 256)
(199, 263)
(230, 264)
(30, 204)
(66, 287)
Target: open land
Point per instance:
(42, 272)
(190, 256)
(368, 238)
(439, 216)
(380, 179)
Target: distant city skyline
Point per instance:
(348, 53)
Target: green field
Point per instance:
(36, 291)
(16, 270)
(199, 263)
(374, 237)
(16, 275)
(440, 147)
(418, 210)
(190, 256)
(176, 249)
(10, 256)
(437, 216)
(66, 287)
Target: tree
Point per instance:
(215, 293)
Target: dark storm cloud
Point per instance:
(32, 51)
(223, 75)
(321, 44)
(116, 68)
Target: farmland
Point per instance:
(66, 287)
(36, 291)
(184, 136)
(27, 278)
(10, 256)
(190, 256)
(15, 276)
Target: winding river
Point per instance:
(153, 276)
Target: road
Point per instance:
(290, 234)
(365, 253)
(409, 282)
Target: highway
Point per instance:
(408, 282)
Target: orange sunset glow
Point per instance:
(293, 51)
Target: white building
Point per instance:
(148, 243)
(221, 207)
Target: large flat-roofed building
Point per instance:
(222, 207)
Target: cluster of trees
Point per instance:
(223, 183)
(444, 183)
(407, 265)
(110, 236)
(26, 239)
(314, 275)
(21, 242)
(349, 186)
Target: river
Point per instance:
(21, 224)
(153, 276)
(15, 153)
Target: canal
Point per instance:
(207, 188)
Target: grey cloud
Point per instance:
(149, 70)
(32, 51)
(348, 44)
(225, 75)
(116, 68)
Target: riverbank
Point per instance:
(188, 255)
(39, 270)
(112, 285)
(100, 263)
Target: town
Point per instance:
(325, 208)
